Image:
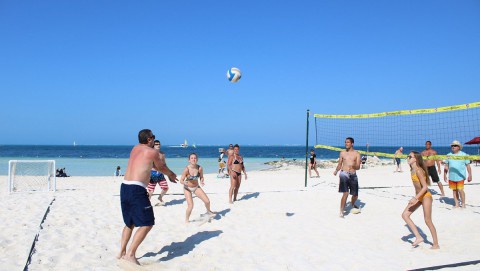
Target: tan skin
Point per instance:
(431, 162)
(161, 155)
(414, 203)
(142, 159)
(194, 170)
(349, 161)
(235, 178)
(458, 194)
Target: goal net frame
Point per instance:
(47, 175)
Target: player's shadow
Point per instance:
(407, 238)
(178, 249)
(446, 200)
(249, 196)
(349, 206)
(220, 214)
(175, 202)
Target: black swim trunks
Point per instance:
(432, 171)
(136, 207)
(348, 182)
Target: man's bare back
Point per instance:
(142, 159)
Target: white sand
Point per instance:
(277, 225)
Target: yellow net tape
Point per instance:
(389, 155)
(402, 112)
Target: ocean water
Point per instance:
(103, 160)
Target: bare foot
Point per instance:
(211, 214)
(417, 242)
(120, 255)
(341, 215)
(131, 259)
(435, 247)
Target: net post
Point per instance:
(306, 149)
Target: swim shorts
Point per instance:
(398, 161)
(456, 185)
(136, 207)
(348, 182)
(163, 185)
(432, 171)
(156, 176)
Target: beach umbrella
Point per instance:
(475, 140)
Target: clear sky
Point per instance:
(97, 72)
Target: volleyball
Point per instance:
(233, 75)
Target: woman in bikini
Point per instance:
(190, 177)
(422, 197)
(236, 166)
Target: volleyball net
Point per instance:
(380, 134)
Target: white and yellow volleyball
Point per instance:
(234, 75)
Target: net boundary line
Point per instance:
(401, 112)
(32, 249)
(389, 155)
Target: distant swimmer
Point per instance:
(348, 164)
(136, 208)
(192, 174)
(423, 197)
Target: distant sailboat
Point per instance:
(74, 144)
(194, 145)
(185, 144)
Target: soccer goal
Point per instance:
(31, 176)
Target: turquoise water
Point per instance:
(107, 166)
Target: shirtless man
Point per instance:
(136, 208)
(348, 164)
(430, 163)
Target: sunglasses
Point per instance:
(455, 146)
(156, 144)
(153, 136)
(409, 157)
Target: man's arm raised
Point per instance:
(160, 164)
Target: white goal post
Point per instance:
(31, 176)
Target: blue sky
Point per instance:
(97, 72)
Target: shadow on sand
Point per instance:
(412, 236)
(219, 215)
(178, 249)
(358, 203)
(175, 202)
(249, 196)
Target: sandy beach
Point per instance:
(278, 224)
